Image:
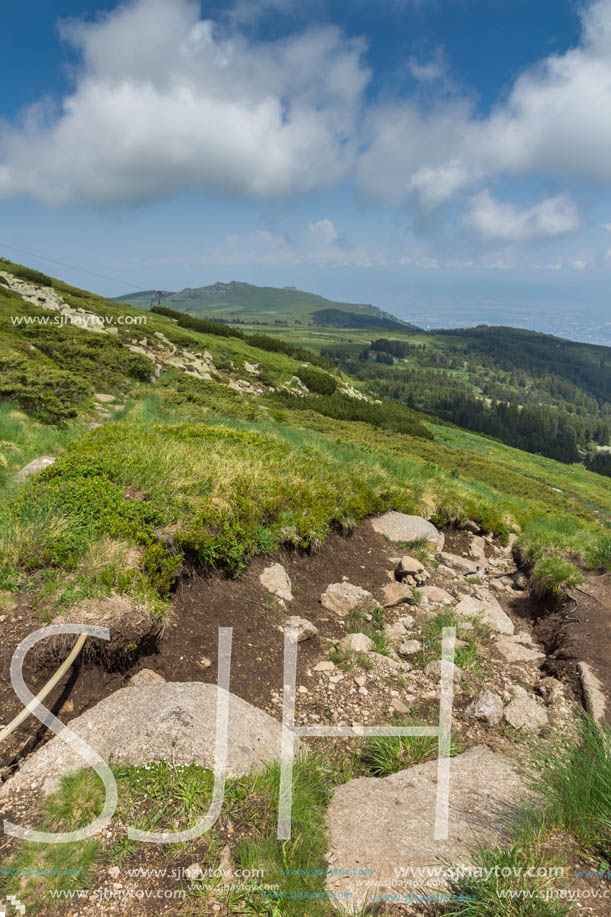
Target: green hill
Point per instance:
(244, 302)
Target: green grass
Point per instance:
(385, 755)
(357, 623)
(466, 657)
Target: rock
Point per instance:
(409, 648)
(205, 662)
(305, 628)
(488, 610)
(194, 872)
(386, 823)
(593, 695)
(408, 565)
(552, 690)
(226, 864)
(324, 666)
(456, 562)
(34, 467)
(277, 581)
(525, 713)
(395, 631)
(400, 527)
(513, 651)
(477, 548)
(394, 593)
(488, 707)
(433, 670)
(406, 620)
(105, 399)
(436, 596)
(114, 872)
(342, 598)
(146, 677)
(356, 643)
(470, 526)
(442, 570)
(398, 706)
(172, 722)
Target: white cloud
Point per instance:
(429, 71)
(606, 226)
(323, 231)
(555, 121)
(494, 219)
(164, 102)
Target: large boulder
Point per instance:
(168, 722)
(488, 610)
(400, 527)
(387, 824)
(525, 713)
(342, 598)
(456, 562)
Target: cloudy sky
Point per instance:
(449, 160)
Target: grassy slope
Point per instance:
(218, 476)
(233, 476)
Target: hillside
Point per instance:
(244, 302)
(167, 476)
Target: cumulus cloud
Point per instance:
(165, 102)
(496, 220)
(555, 121)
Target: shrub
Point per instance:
(316, 381)
(552, 575)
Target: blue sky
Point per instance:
(449, 160)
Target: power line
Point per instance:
(72, 267)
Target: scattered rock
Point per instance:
(525, 713)
(342, 598)
(456, 562)
(513, 651)
(394, 593)
(356, 643)
(194, 872)
(381, 823)
(409, 648)
(400, 527)
(488, 707)
(277, 581)
(146, 677)
(408, 565)
(488, 610)
(173, 722)
(433, 670)
(324, 666)
(305, 628)
(34, 467)
(105, 399)
(436, 596)
(114, 872)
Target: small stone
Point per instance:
(356, 643)
(360, 681)
(408, 565)
(277, 581)
(433, 670)
(395, 631)
(436, 596)
(406, 620)
(409, 648)
(34, 467)
(342, 598)
(488, 610)
(517, 652)
(105, 399)
(114, 872)
(398, 706)
(302, 689)
(488, 707)
(525, 713)
(146, 677)
(456, 562)
(305, 629)
(394, 593)
(324, 666)
(194, 872)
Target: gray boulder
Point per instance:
(394, 593)
(456, 562)
(400, 527)
(305, 629)
(168, 722)
(387, 823)
(487, 707)
(513, 650)
(526, 714)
